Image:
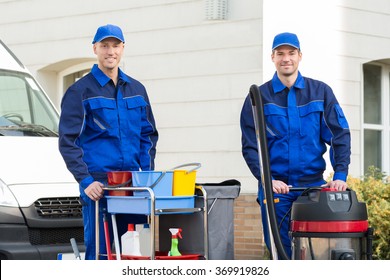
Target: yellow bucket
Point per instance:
(184, 180)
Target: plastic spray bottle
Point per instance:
(175, 242)
(130, 242)
(144, 240)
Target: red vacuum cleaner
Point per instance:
(327, 224)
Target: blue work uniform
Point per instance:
(105, 127)
(300, 122)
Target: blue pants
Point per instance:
(88, 211)
(282, 210)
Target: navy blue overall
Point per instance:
(105, 127)
(300, 123)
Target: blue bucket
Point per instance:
(159, 181)
(141, 205)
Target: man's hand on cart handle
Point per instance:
(94, 191)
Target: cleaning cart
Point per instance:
(152, 200)
(220, 216)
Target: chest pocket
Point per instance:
(276, 121)
(102, 113)
(310, 117)
(135, 108)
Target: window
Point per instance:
(24, 108)
(69, 71)
(73, 77)
(376, 124)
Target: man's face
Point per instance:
(286, 60)
(109, 53)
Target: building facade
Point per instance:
(198, 59)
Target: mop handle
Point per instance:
(107, 236)
(75, 248)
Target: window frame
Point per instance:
(70, 70)
(384, 127)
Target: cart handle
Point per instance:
(121, 185)
(125, 184)
(196, 164)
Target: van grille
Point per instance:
(59, 207)
(49, 236)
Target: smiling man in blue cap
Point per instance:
(303, 119)
(106, 124)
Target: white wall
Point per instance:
(198, 72)
(337, 37)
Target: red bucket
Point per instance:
(122, 178)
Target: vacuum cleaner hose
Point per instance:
(266, 177)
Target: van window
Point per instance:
(24, 108)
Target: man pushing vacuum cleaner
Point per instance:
(287, 124)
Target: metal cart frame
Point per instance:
(151, 214)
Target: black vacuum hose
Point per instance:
(258, 113)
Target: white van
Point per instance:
(40, 210)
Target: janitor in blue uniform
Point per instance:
(106, 124)
(303, 118)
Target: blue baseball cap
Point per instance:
(286, 38)
(108, 31)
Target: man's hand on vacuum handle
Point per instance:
(337, 184)
(94, 191)
(280, 187)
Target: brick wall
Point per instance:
(248, 236)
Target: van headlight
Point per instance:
(6, 196)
